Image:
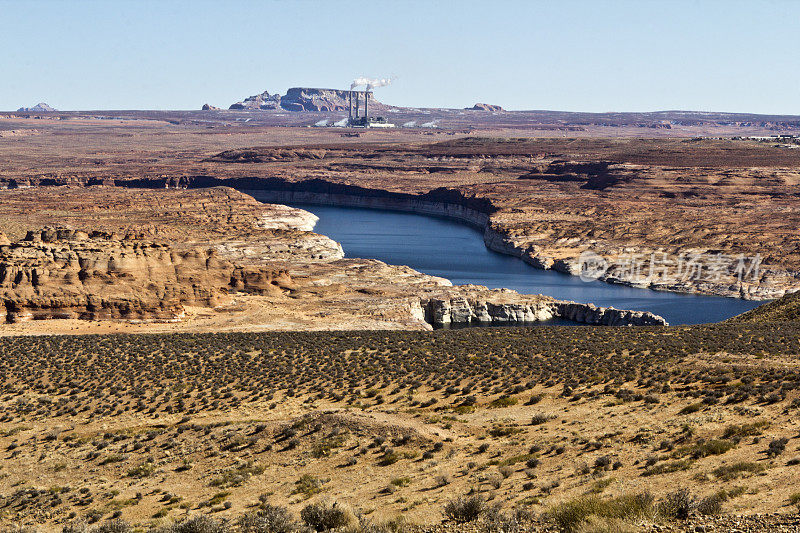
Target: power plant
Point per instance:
(365, 121)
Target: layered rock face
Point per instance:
(304, 99)
(258, 101)
(63, 273)
(484, 107)
(41, 106)
(465, 310)
(311, 99)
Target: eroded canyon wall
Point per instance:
(63, 273)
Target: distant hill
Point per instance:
(484, 107)
(786, 309)
(38, 108)
(304, 99)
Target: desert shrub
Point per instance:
(393, 525)
(324, 516)
(676, 505)
(745, 430)
(667, 468)
(539, 419)
(794, 498)
(600, 485)
(465, 508)
(325, 447)
(143, 470)
(503, 431)
(732, 471)
(197, 524)
(503, 401)
(236, 475)
(571, 515)
(496, 521)
(602, 462)
(711, 505)
(691, 408)
(76, 526)
(777, 446)
(113, 526)
(711, 447)
(268, 519)
(308, 485)
(534, 399)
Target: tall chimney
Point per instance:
(357, 104)
(366, 104)
(350, 106)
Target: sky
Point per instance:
(566, 55)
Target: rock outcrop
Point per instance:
(258, 101)
(38, 108)
(305, 99)
(64, 273)
(309, 99)
(498, 307)
(484, 107)
(209, 107)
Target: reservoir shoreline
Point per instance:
(439, 243)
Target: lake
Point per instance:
(455, 251)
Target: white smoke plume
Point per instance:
(370, 83)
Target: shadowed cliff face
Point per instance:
(72, 274)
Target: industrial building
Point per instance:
(365, 121)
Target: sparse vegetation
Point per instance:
(465, 508)
(324, 415)
(571, 515)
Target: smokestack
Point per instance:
(366, 104)
(357, 104)
(350, 104)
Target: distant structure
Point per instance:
(366, 121)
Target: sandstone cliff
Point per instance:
(304, 99)
(41, 106)
(507, 307)
(62, 273)
(258, 101)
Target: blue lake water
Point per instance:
(455, 251)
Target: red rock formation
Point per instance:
(59, 273)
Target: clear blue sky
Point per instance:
(565, 55)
